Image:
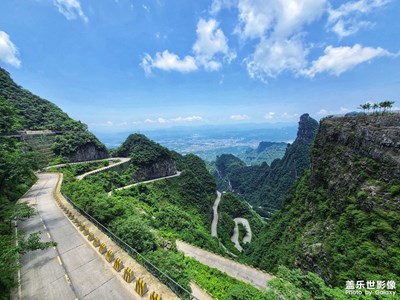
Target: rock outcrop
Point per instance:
(158, 169)
(87, 152)
(342, 219)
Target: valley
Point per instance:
(300, 221)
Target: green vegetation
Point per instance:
(231, 207)
(143, 151)
(35, 113)
(16, 176)
(265, 186)
(342, 219)
(384, 106)
(266, 152)
(81, 168)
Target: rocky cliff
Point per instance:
(342, 221)
(265, 187)
(158, 169)
(88, 152)
(149, 160)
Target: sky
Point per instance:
(120, 65)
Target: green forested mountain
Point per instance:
(35, 113)
(265, 186)
(142, 150)
(265, 152)
(342, 221)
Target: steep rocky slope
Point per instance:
(342, 221)
(265, 186)
(149, 160)
(34, 113)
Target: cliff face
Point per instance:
(265, 187)
(342, 221)
(158, 169)
(346, 145)
(87, 152)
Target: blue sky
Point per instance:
(122, 65)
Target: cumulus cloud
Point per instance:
(337, 60)
(8, 51)
(209, 50)
(272, 57)
(277, 18)
(168, 62)
(277, 25)
(71, 9)
(210, 42)
(345, 20)
(239, 117)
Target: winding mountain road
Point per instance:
(73, 269)
(239, 271)
(144, 182)
(235, 236)
(215, 215)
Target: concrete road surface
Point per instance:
(72, 270)
(215, 216)
(239, 271)
(144, 182)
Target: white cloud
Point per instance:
(239, 117)
(278, 26)
(71, 9)
(217, 5)
(337, 60)
(210, 42)
(109, 123)
(175, 120)
(210, 49)
(345, 20)
(168, 62)
(273, 57)
(8, 51)
(269, 116)
(187, 119)
(276, 18)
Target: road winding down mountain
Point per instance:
(215, 215)
(73, 269)
(235, 236)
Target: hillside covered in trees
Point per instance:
(265, 186)
(342, 220)
(35, 113)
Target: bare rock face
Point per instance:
(87, 152)
(345, 145)
(162, 168)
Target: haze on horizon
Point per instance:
(123, 65)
